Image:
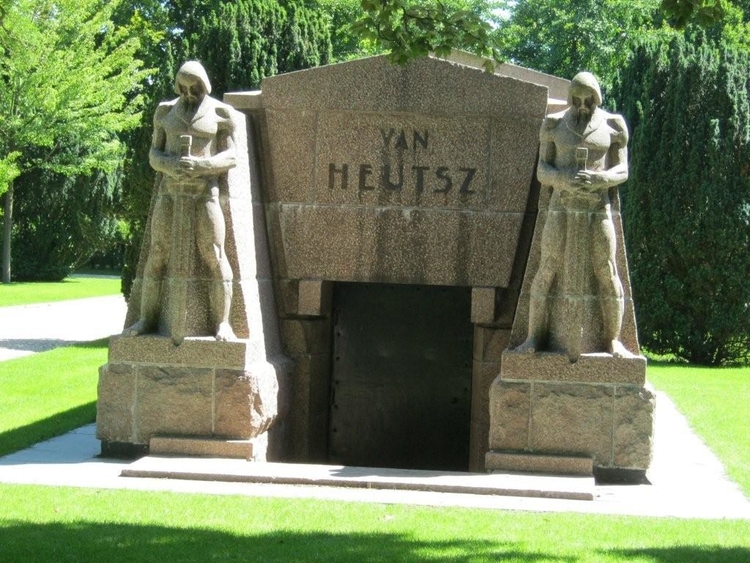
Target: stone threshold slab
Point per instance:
(240, 471)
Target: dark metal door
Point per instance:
(402, 363)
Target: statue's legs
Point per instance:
(211, 234)
(552, 248)
(155, 268)
(611, 293)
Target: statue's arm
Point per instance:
(618, 152)
(547, 173)
(157, 157)
(226, 158)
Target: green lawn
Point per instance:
(715, 401)
(25, 293)
(64, 524)
(48, 394)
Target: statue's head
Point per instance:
(191, 83)
(584, 95)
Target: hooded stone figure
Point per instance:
(193, 147)
(583, 154)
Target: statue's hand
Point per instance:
(193, 167)
(589, 180)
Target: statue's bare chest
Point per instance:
(203, 131)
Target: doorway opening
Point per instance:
(401, 376)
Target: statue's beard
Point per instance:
(583, 115)
(190, 103)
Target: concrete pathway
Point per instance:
(687, 480)
(26, 329)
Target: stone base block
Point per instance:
(558, 465)
(206, 447)
(543, 405)
(140, 398)
(589, 368)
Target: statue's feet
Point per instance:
(225, 332)
(139, 327)
(617, 349)
(530, 346)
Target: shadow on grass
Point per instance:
(113, 543)
(56, 425)
(100, 343)
(682, 554)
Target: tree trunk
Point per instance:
(7, 228)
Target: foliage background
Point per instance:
(677, 70)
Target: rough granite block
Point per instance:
(509, 414)
(490, 343)
(116, 402)
(174, 400)
(246, 402)
(572, 419)
(634, 427)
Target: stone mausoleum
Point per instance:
(388, 216)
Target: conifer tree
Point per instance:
(687, 202)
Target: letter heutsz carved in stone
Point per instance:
(193, 146)
(583, 153)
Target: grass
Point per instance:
(25, 293)
(64, 524)
(48, 394)
(715, 401)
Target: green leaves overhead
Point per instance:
(411, 29)
(704, 12)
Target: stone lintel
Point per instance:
(195, 352)
(590, 368)
(555, 464)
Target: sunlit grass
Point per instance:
(63, 524)
(48, 394)
(25, 293)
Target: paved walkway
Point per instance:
(26, 329)
(687, 480)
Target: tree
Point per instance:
(703, 12)
(65, 220)
(345, 43)
(687, 205)
(550, 35)
(564, 37)
(69, 81)
(410, 29)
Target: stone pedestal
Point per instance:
(599, 407)
(152, 388)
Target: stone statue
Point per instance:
(583, 153)
(193, 146)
